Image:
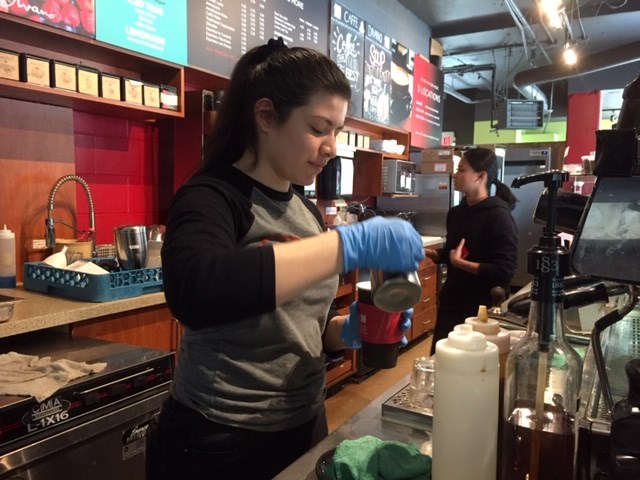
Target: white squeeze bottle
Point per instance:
(465, 406)
(7, 258)
(501, 337)
(494, 334)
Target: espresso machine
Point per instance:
(607, 246)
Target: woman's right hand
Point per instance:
(389, 244)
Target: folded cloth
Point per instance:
(369, 458)
(39, 377)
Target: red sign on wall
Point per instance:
(428, 101)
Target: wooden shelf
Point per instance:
(198, 79)
(384, 154)
(367, 163)
(24, 36)
(81, 102)
(377, 130)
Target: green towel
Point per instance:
(369, 458)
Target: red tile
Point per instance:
(100, 125)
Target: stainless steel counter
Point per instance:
(39, 311)
(367, 422)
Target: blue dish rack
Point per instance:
(87, 287)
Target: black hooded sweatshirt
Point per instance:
(491, 239)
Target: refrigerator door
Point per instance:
(517, 162)
(431, 205)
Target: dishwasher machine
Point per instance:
(93, 428)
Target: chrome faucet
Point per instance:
(50, 223)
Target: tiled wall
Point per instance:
(118, 158)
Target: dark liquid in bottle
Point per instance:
(542, 454)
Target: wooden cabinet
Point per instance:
(152, 327)
(341, 370)
(367, 163)
(425, 312)
(24, 36)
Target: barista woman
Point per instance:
(481, 247)
(250, 274)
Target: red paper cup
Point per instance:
(381, 336)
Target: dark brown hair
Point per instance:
(485, 160)
(289, 77)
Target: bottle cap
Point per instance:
(482, 323)
(463, 337)
(6, 233)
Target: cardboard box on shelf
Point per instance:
(435, 160)
(437, 154)
(443, 166)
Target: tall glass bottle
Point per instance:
(542, 377)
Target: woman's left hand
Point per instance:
(350, 331)
(405, 324)
(458, 258)
(458, 254)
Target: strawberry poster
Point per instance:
(76, 16)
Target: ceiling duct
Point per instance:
(532, 92)
(589, 64)
(461, 70)
(463, 98)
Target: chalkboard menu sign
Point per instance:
(221, 31)
(158, 29)
(347, 50)
(426, 116)
(377, 76)
(401, 86)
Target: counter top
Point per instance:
(367, 422)
(430, 241)
(38, 311)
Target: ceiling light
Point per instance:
(569, 54)
(552, 11)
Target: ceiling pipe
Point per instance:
(463, 98)
(462, 69)
(525, 28)
(589, 64)
(530, 92)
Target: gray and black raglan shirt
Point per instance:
(243, 360)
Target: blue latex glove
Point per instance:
(389, 244)
(350, 331)
(405, 324)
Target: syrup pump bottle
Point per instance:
(542, 377)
